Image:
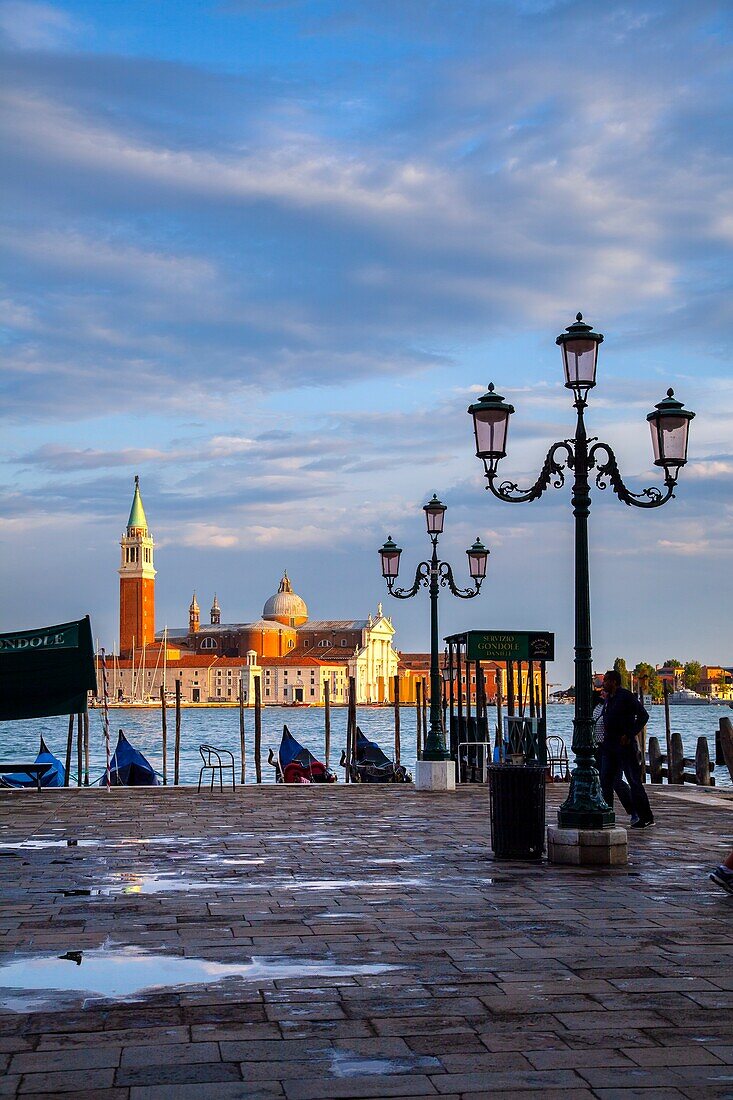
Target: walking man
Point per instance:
(624, 717)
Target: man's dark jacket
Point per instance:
(623, 713)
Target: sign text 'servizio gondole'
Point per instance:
(46, 671)
(510, 645)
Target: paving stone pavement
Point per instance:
(384, 952)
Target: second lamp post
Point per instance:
(434, 574)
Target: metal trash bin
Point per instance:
(517, 800)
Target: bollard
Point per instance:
(702, 762)
(655, 760)
(676, 763)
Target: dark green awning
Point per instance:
(46, 671)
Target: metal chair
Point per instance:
(212, 761)
(557, 757)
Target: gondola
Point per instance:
(296, 764)
(372, 765)
(129, 768)
(53, 776)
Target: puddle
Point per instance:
(13, 845)
(347, 883)
(345, 1063)
(127, 971)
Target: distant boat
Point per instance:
(53, 776)
(687, 698)
(129, 768)
(297, 764)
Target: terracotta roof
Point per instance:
(333, 624)
(192, 660)
(289, 661)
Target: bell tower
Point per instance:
(194, 616)
(137, 580)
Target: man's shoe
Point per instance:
(639, 824)
(721, 876)
(633, 821)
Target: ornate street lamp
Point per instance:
(434, 574)
(669, 423)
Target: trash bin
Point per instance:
(517, 798)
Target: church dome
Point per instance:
(285, 606)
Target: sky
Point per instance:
(264, 253)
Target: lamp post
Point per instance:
(434, 575)
(669, 423)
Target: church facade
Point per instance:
(293, 656)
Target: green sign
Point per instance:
(46, 671)
(52, 637)
(510, 645)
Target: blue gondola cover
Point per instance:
(129, 768)
(52, 777)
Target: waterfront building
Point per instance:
(716, 682)
(294, 656)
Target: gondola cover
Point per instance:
(129, 768)
(298, 764)
(372, 765)
(53, 776)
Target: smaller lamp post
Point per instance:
(434, 574)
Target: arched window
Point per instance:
(208, 643)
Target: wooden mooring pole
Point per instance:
(258, 730)
(418, 718)
(396, 696)
(79, 749)
(177, 746)
(667, 722)
(69, 743)
(243, 770)
(164, 723)
(86, 748)
(327, 719)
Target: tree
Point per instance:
(649, 682)
(620, 666)
(693, 674)
(672, 662)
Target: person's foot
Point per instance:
(634, 821)
(639, 824)
(722, 877)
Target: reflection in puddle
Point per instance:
(12, 845)
(346, 1063)
(128, 971)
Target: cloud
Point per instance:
(36, 26)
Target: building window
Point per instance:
(208, 643)
(312, 692)
(291, 643)
(306, 643)
(343, 641)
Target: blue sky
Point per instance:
(265, 253)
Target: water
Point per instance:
(121, 972)
(220, 727)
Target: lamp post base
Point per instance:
(435, 775)
(587, 847)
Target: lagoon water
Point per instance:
(220, 726)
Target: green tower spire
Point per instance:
(137, 512)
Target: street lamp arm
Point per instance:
(445, 574)
(608, 473)
(552, 473)
(422, 576)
